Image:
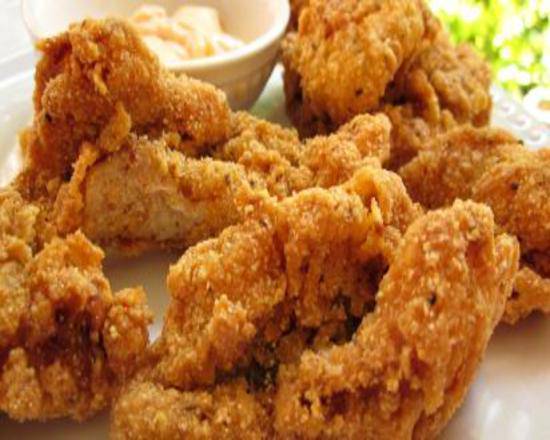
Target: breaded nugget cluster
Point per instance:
(490, 166)
(295, 314)
(148, 193)
(95, 83)
(319, 295)
(67, 342)
(347, 58)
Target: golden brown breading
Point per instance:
(305, 258)
(441, 86)
(17, 235)
(441, 77)
(256, 312)
(435, 86)
(452, 163)
(66, 341)
(491, 167)
(147, 410)
(531, 294)
(120, 169)
(148, 194)
(276, 155)
(98, 81)
(345, 53)
(410, 363)
(411, 132)
(518, 191)
(296, 7)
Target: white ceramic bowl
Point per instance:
(241, 73)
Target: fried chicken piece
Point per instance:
(452, 163)
(276, 155)
(518, 191)
(66, 341)
(345, 53)
(148, 194)
(296, 273)
(405, 369)
(441, 86)
(410, 363)
(115, 161)
(97, 82)
(490, 166)
(441, 77)
(435, 86)
(411, 132)
(305, 258)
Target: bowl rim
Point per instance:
(270, 36)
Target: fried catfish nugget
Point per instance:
(312, 262)
(276, 155)
(490, 166)
(345, 53)
(100, 74)
(259, 313)
(434, 87)
(297, 273)
(518, 192)
(410, 363)
(149, 194)
(66, 341)
(452, 163)
(438, 88)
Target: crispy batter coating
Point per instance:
(452, 163)
(346, 52)
(441, 77)
(531, 293)
(434, 87)
(66, 341)
(440, 87)
(276, 155)
(490, 166)
(96, 82)
(258, 312)
(411, 362)
(296, 7)
(17, 234)
(149, 194)
(147, 410)
(412, 132)
(305, 263)
(518, 191)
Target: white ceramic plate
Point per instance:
(511, 396)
